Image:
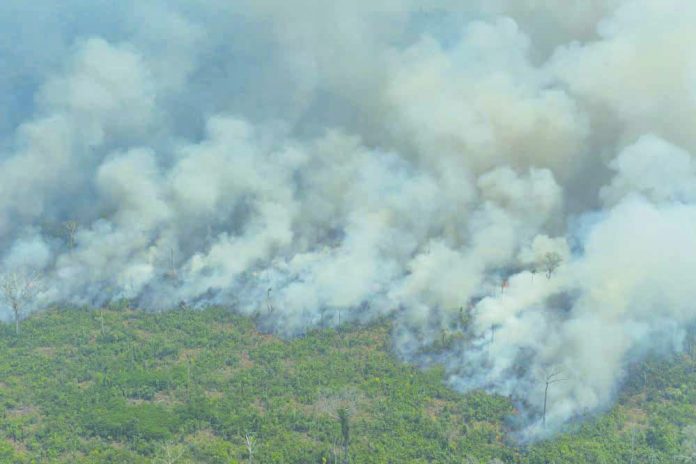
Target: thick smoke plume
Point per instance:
(511, 181)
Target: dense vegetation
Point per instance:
(124, 386)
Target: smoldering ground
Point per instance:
(528, 165)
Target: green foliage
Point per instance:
(193, 383)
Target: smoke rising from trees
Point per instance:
(368, 159)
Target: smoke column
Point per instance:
(526, 166)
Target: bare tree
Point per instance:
(494, 327)
(269, 302)
(688, 445)
(171, 453)
(250, 442)
(652, 457)
(349, 398)
(633, 445)
(335, 451)
(503, 285)
(342, 406)
(18, 290)
(549, 379)
(70, 230)
(344, 419)
(551, 262)
(171, 272)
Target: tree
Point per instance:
(269, 302)
(550, 378)
(171, 453)
(101, 321)
(342, 407)
(688, 445)
(250, 442)
(335, 451)
(71, 229)
(344, 419)
(633, 445)
(551, 262)
(18, 290)
(171, 273)
(504, 284)
(348, 398)
(494, 327)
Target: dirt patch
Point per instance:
(214, 394)
(46, 351)
(435, 407)
(21, 411)
(351, 399)
(244, 361)
(136, 401)
(18, 446)
(189, 354)
(84, 385)
(636, 418)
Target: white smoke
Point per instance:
(513, 184)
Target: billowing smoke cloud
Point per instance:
(514, 185)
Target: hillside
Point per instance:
(124, 386)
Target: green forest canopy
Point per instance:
(124, 386)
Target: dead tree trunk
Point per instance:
(15, 310)
(550, 379)
(250, 441)
(343, 417)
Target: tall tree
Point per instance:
(344, 419)
(171, 453)
(551, 262)
(18, 290)
(250, 442)
(71, 230)
(549, 379)
(269, 301)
